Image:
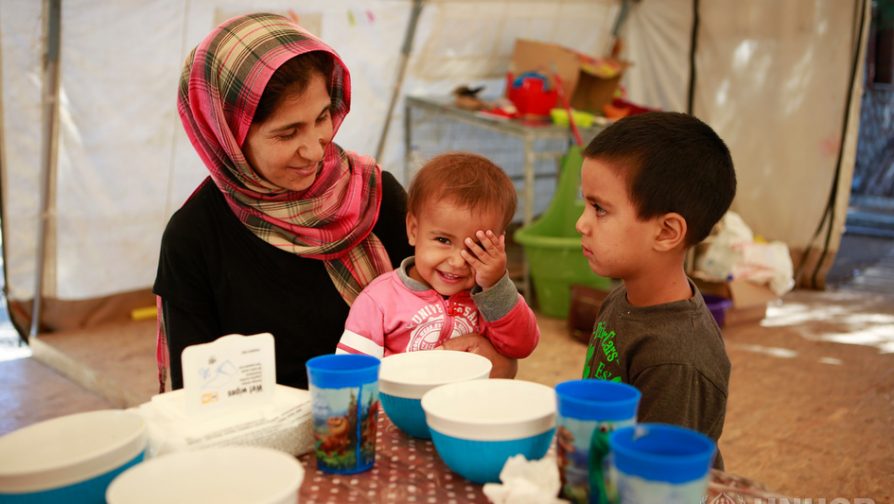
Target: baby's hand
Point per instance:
(487, 257)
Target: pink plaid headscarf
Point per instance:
(222, 82)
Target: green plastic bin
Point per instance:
(552, 245)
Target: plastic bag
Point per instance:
(733, 252)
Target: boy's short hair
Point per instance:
(673, 162)
(466, 179)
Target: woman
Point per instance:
(289, 227)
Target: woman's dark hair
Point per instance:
(292, 77)
(672, 162)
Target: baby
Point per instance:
(459, 205)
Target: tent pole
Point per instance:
(848, 142)
(615, 47)
(405, 52)
(3, 184)
(693, 51)
(4, 168)
(49, 141)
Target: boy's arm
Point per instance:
(679, 394)
(364, 329)
(510, 323)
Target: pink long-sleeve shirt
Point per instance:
(396, 314)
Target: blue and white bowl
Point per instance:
(222, 475)
(476, 426)
(405, 378)
(70, 459)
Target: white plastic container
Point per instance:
(477, 425)
(229, 474)
(405, 378)
(70, 459)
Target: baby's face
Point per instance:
(438, 232)
(614, 240)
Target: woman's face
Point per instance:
(287, 148)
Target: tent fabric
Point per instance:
(793, 70)
(124, 162)
(772, 79)
(20, 55)
(656, 39)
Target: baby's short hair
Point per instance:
(672, 162)
(466, 179)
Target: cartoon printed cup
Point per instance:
(344, 391)
(589, 410)
(658, 463)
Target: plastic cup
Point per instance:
(344, 391)
(589, 410)
(658, 463)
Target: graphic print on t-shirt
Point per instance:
(602, 361)
(433, 326)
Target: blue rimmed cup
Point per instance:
(660, 463)
(344, 391)
(588, 411)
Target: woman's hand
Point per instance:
(504, 367)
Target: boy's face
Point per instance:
(438, 233)
(614, 240)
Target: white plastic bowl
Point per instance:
(405, 378)
(223, 475)
(71, 458)
(412, 374)
(477, 425)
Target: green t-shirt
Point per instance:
(673, 353)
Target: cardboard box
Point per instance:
(749, 299)
(590, 82)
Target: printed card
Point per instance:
(232, 371)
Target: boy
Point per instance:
(654, 185)
(458, 208)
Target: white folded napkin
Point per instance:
(526, 482)
(286, 424)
